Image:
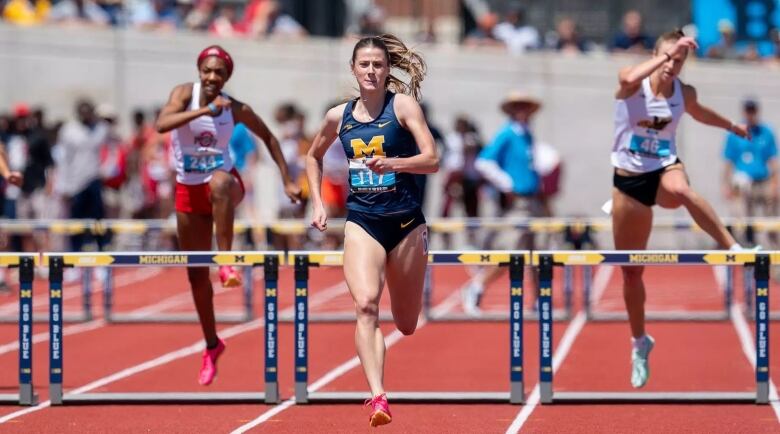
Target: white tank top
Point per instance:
(645, 128)
(201, 146)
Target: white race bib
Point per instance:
(363, 180)
(205, 160)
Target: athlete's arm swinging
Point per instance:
(410, 116)
(244, 114)
(175, 114)
(322, 141)
(708, 116)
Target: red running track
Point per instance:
(440, 356)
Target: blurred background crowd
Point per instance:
(740, 29)
(88, 166)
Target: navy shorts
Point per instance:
(388, 229)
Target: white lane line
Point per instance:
(564, 346)
(317, 299)
(600, 282)
(340, 370)
(748, 347)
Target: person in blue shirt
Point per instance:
(243, 151)
(388, 143)
(508, 164)
(751, 169)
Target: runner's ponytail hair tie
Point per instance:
(217, 51)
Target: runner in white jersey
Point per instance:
(649, 104)
(208, 188)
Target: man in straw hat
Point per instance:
(507, 163)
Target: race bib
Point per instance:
(204, 161)
(363, 180)
(650, 146)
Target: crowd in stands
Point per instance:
(268, 19)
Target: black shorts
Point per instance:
(388, 229)
(643, 187)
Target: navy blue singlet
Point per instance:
(391, 192)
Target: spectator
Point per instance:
(225, 25)
(78, 169)
(140, 14)
(79, 12)
(201, 15)
(726, 48)
(26, 12)
(631, 38)
(113, 8)
(751, 178)
(33, 202)
(507, 163)
(243, 152)
(269, 20)
(483, 34)
(566, 39)
(518, 36)
(17, 156)
(291, 141)
(113, 162)
(372, 22)
(171, 13)
(462, 179)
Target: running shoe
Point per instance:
(640, 366)
(470, 296)
(229, 277)
(380, 410)
(208, 369)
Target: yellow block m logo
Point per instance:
(545, 291)
(762, 292)
(300, 291)
(374, 148)
(517, 291)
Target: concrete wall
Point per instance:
(53, 66)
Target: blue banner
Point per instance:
(752, 22)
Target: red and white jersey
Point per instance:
(201, 146)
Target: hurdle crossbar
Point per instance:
(57, 261)
(111, 260)
(468, 257)
(546, 260)
(26, 264)
(589, 259)
(515, 260)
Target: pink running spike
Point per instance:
(208, 370)
(229, 277)
(380, 410)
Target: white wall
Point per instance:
(53, 66)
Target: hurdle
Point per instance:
(26, 264)
(546, 260)
(515, 260)
(59, 227)
(56, 263)
(589, 259)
